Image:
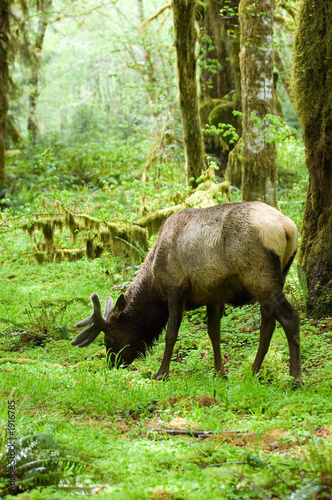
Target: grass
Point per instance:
(106, 427)
(81, 429)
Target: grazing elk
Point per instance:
(229, 253)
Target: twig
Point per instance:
(155, 15)
(204, 466)
(200, 434)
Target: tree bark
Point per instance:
(220, 79)
(185, 40)
(256, 59)
(313, 100)
(33, 126)
(148, 69)
(4, 77)
(215, 84)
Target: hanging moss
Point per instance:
(198, 199)
(72, 226)
(29, 228)
(97, 235)
(91, 223)
(69, 254)
(89, 249)
(98, 251)
(47, 229)
(39, 256)
(153, 222)
(218, 36)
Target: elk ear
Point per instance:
(119, 307)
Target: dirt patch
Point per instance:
(273, 440)
(206, 401)
(323, 432)
(180, 423)
(203, 401)
(161, 494)
(270, 440)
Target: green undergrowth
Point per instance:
(84, 429)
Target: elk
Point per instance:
(230, 253)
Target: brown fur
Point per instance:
(228, 253)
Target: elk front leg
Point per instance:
(175, 308)
(214, 313)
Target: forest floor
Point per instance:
(76, 428)
(81, 429)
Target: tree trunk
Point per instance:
(4, 77)
(149, 70)
(313, 99)
(220, 79)
(216, 46)
(256, 58)
(185, 40)
(33, 126)
(13, 132)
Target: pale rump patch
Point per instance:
(277, 232)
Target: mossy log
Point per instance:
(215, 189)
(97, 235)
(153, 222)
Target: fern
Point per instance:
(41, 461)
(320, 461)
(297, 287)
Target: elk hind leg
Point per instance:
(289, 319)
(267, 327)
(214, 313)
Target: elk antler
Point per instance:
(97, 323)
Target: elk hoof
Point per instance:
(161, 376)
(220, 375)
(296, 384)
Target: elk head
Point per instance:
(116, 339)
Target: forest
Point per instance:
(115, 118)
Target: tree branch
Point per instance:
(155, 15)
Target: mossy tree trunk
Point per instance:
(313, 96)
(220, 79)
(185, 41)
(219, 44)
(36, 52)
(256, 60)
(4, 77)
